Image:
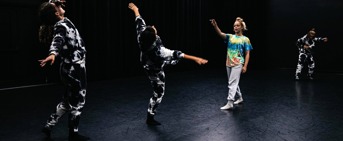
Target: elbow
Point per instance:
(178, 54)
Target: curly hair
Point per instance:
(48, 19)
(45, 34)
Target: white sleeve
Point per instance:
(166, 53)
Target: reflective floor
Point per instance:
(275, 108)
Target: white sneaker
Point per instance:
(240, 100)
(229, 105)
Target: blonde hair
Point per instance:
(240, 20)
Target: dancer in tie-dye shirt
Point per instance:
(238, 55)
(67, 44)
(305, 45)
(154, 57)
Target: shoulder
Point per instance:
(62, 23)
(228, 36)
(245, 38)
(303, 37)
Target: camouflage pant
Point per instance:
(74, 78)
(157, 80)
(305, 58)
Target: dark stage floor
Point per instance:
(275, 108)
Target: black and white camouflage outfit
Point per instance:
(153, 60)
(69, 46)
(306, 55)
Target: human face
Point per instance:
(237, 27)
(311, 34)
(59, 10)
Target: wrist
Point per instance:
(53, 53)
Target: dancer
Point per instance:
(69, 46)
(238, 55)
(305, 45)
(154, 57)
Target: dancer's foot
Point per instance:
(151, 121)
(238, 101)
(229, 105)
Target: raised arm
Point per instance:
(134, 8)
(217, 29)
(140, 23)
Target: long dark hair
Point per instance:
(48, 19)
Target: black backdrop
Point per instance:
(107, 26)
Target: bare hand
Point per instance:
(306, 46)
(325, 39)
(244, 69)
(201, 61)
(47, 59)
(132, 6)
(213, 22)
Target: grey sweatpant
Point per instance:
(233, 74)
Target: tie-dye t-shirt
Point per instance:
(236, 46)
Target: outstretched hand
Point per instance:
(47, 59)
(197, 60)
(201, 61)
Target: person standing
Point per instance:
(70, 47)
(305, 45)
(237, 59)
